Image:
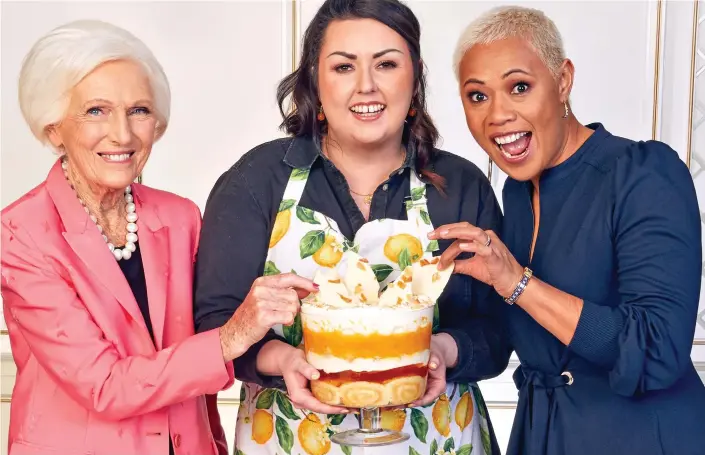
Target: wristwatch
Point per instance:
(520, 287)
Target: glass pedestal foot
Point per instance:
(370, 433)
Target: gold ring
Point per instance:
(489, 239)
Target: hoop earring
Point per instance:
(565, 115)
(321, 116)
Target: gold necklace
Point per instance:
(367, 197)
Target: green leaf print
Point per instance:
(243, 394)
(466, 450)
(434, 447)
(382, 271)
(350, 246)
(419, 424)
(284, 435)
(432, 246)
(285, 406)
(418, 193)
(436, 319)
(312, 242)
(486, 442)
(293, 333)
(404, 259)
(425, 217)
(413, 451)
(299, 174)
(347, 450)
(239, 452)
(286, 204)
(462, 389)
(479, 400)
(270, 269)
(450, 444)
(336, 419)
(306, 215)
(265, 400)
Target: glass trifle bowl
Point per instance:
(371, 349)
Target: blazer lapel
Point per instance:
(92, 251)
(86, 241)
(155, 257)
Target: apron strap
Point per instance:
(417, 206)
(294, 187)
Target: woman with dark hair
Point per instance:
(359, 171)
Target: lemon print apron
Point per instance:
(302, 241)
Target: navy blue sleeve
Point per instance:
(231, 255)
(644, 339)
(483, 344)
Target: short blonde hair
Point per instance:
(514, 21)
(62, 58)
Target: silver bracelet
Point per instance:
(520, 287)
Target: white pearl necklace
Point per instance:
(131, 217)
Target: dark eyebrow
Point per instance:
(504, 76)
(386, 51)
(354, 57)
(512, 71)
(344, 54)
(473, 81)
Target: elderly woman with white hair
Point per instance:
(599, 260)
(97, 270)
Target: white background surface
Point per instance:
(224, 61)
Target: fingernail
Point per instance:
(315, 375)
(315, 285)
(433, 365)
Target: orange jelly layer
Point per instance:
(344, 377)
(372, 346)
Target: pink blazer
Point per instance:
(89, 379)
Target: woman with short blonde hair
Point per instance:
(599, 260)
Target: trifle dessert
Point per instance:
(371, 348)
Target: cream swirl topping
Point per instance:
(418, 286)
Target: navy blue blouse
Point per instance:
(619, 228)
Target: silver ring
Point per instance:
(568, 376)
(489, 239)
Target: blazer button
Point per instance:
(177, 441)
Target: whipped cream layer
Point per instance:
(331, 364)
(365, 320)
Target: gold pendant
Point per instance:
(368, 200)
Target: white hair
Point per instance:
(63, 57)
(514, 21)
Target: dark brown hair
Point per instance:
(419, 130)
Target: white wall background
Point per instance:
(224, 60)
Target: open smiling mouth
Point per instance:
(514, 146)
(368, 111)
(116, 157)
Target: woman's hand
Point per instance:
(436, 381)
(492, 263)
(444, 354)
(272, 300)
(297, 373)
